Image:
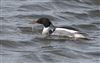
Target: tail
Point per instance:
(80, 36)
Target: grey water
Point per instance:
(21, 42)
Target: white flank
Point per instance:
(67, 30)
(79, 36)
(62, 32)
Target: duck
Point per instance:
(49, 29)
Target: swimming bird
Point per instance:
(49, 29)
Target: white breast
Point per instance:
(45, 31)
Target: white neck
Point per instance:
(48, 30)
(45, 31)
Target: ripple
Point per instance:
(97, 54)
(94, 13)
(23, 44)
(16, 37)
(34, 7)
(88, 26)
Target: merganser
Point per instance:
(50, 29)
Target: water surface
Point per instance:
(21, 44)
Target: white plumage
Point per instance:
(50, 29)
